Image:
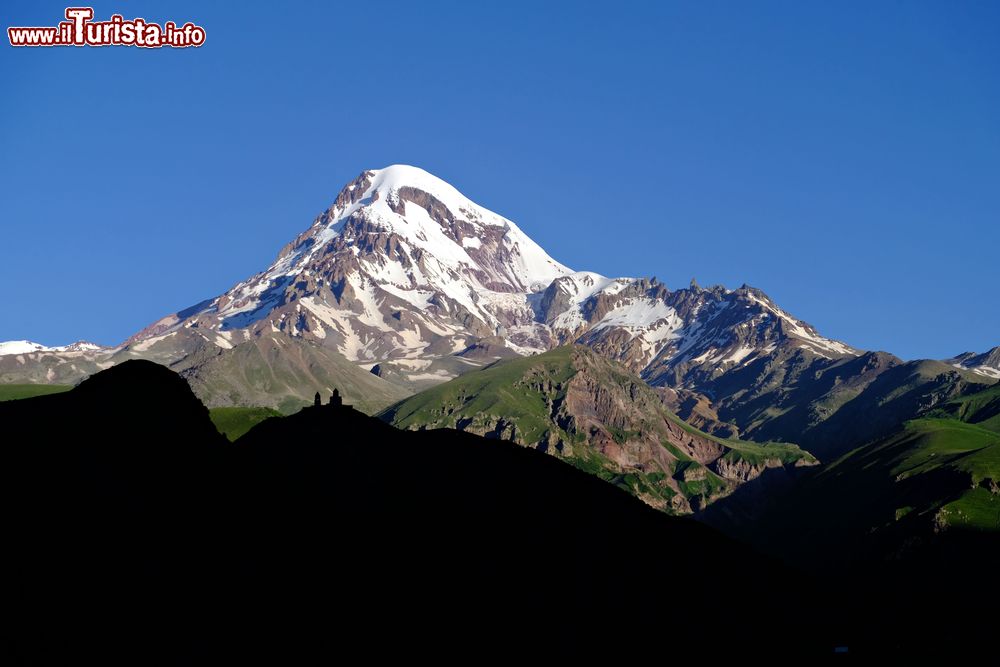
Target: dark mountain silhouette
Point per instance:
(137, 533)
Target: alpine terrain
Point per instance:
(405, 283)
(987, 363)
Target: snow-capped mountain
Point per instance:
(27, 347)
(404, 271)
(20, 347)
(402, 266)
(27, 361)
(987, 363)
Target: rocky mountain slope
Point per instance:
(827, 406)
(594, 413)
(34, 363)
(987, 363)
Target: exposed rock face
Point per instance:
(696, 409)
(593, 412)
(741, 470)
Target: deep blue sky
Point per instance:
(844, 157)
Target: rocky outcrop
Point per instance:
(742, 470)
(596, 414)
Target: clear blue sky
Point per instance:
(844, 157)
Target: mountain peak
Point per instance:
(431, 216)
(400, 183)
(398, 176)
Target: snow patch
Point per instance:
(640, 313)
(739, 355)
(438, 376)
(146, 343)
(21, 347)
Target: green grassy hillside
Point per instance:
(283, 373)
(496, 391)
(959, 442)
(969, 453)
(12, 392)
(234, 422)
(934, 475)
(981, 409)
(596, 415)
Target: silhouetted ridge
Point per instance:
(114, 488)
(140, 533)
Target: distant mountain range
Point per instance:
(404, 283)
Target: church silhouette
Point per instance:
(335, 399)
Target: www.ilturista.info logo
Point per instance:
(80, 30)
